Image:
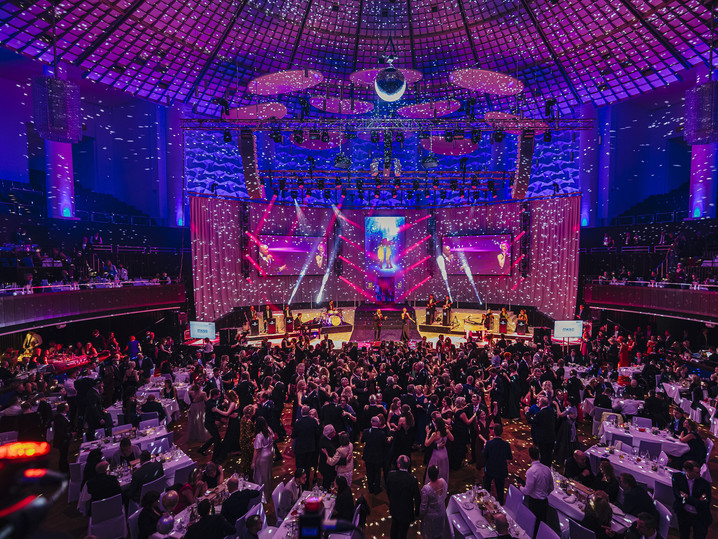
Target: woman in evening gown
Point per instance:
(405, 319)
(263, 456)
(433, 506)
(246, 441)
(230, 444)
(195, 416)
(438, 437)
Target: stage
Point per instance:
(358, 326)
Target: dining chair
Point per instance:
(545, 532)
(576, 531)
(107, 519)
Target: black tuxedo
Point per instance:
(209, 526)
(328, 472)
(61, 440)
(497, 453)
(154, 406)
(103, 486)
(544, 433)
(377, 326)
(375, 449)
(404, 501)
(238, 504)
(633, 533)
(700, 498)
(148, 472)
(637, 500)
(305, 434)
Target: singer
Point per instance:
(405, 319)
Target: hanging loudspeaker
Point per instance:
(56, 108)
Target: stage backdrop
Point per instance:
(550, 286)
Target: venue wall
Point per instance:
(550, 286)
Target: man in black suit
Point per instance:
(375, 448)
(544, 431)
(211, 416)
(635, 498)
(602, 400)
(153, 406)
(239, 500)
(62, 436)
(305, 434)
(645, 527)
(147, 472)
(103, 486)
(404, 498)
(95, 414)
(692, 502)
(578, 468)
(208, 525)
(378, 317)
(497, 453)
(327, 448)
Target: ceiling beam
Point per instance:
(104, 36)
(411, 34)
(299, 35)
(656, 34)
(551, 51)
(357, 34)
(215, 51)
(467, 30)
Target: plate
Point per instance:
(467, 505)
(570, 499)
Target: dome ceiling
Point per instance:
(577, 51)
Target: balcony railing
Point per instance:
(55, 305)
(677, 300)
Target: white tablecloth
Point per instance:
(624, 406)
(642, 471)
(630, 371)
(285, 529)
(109, 447)
(170, 405)
(155, 389)
(464, 505)
(670, 446)
(674, 391)
(177, 459)
(571, 507)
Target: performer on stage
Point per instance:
(405, 319)
(378, 317)
(447, 311)
(253, 315)
(431, 308)
(267, 316)
(488, 320)
(503, 321)
(330, 307)
(287, 311)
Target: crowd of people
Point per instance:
(447, 404)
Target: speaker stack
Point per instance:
(56, 109)
(702, 113)
(339, 248)
(525, 242)
(431, 243)
(526, 145)
(244, 238)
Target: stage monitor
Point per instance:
(568, 329)
(478, 255)
(292, 255)
(201, 330)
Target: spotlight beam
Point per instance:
(407, 226)
(355, 287)
(413, 288)
(412, 247)
(254, 263)
(352, 243)
(264, 215)
(352, 264)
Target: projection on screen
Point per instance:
(289, 255)
(482, 255)
(384, 248)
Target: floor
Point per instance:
(65, 518)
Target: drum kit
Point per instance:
(334, 318)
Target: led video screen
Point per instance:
(478, 255)
(383, 244)
(292, 255)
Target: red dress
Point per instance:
(623, 356)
